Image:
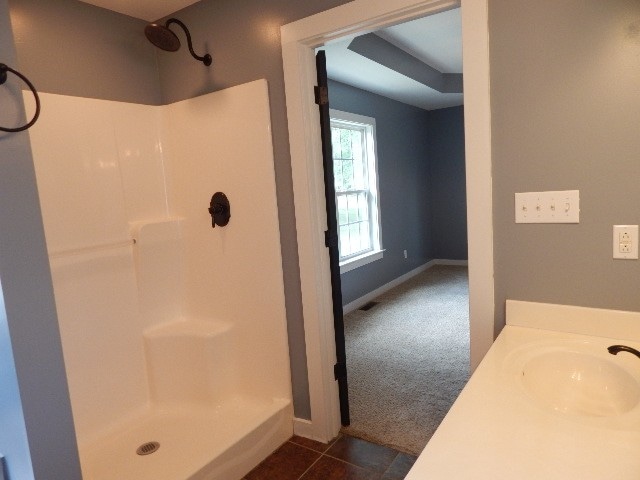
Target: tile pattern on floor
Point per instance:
(346, 458)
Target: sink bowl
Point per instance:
(581, 383)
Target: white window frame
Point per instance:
(368, 124)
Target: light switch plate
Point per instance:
(548, 207)
(625, 242)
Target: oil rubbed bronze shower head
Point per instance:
(165, 39)
(162, 37)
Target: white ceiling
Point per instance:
(148, 10)
(436, 40)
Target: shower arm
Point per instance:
(206, 59)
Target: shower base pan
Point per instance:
(195, 443)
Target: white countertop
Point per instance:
(495, 430)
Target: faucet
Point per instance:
(614, 349)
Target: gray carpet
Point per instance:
(408, 359)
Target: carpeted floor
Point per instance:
(408, 358)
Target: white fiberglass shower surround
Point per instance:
(172, 331)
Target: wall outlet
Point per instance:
(625, 242)
(405, 254)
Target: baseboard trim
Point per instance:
(359, 302)
(303, 428)
(458, 263)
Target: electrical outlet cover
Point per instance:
(625, 242)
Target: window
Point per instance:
(356, 182)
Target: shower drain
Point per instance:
(148, 448)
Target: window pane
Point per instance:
(352, 205)
(344, 241)
(347, 174)
(337, 174)
(345, 143)
(365, 236)
(356, 144)
(343, 216)
(358, 181)
(335, 142)
(363, 213)
(354, 238)
(359, 167)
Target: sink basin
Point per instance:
(581, 383)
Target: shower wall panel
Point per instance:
(76, 159)
(222, 142)
(101, 337)
(99, 167)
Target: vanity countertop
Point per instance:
(496, 430)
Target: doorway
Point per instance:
(398, 164)
(299, 39)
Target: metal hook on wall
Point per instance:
(3, 78)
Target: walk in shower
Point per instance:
(173, 332)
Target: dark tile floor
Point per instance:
(346, 458)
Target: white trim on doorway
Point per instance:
(299, 39)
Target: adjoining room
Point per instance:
(399, 168)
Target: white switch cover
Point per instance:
(548, 207)
(625, 242)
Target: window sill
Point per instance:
(359, 261)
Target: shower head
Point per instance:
(164, 38)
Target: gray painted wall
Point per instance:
(14, 444)
(403, 172)
(422, 186)
(447, 185)
(565, 101)
(36, 435)
(72, 48)
(13, 435)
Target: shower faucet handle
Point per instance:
(219, 209)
